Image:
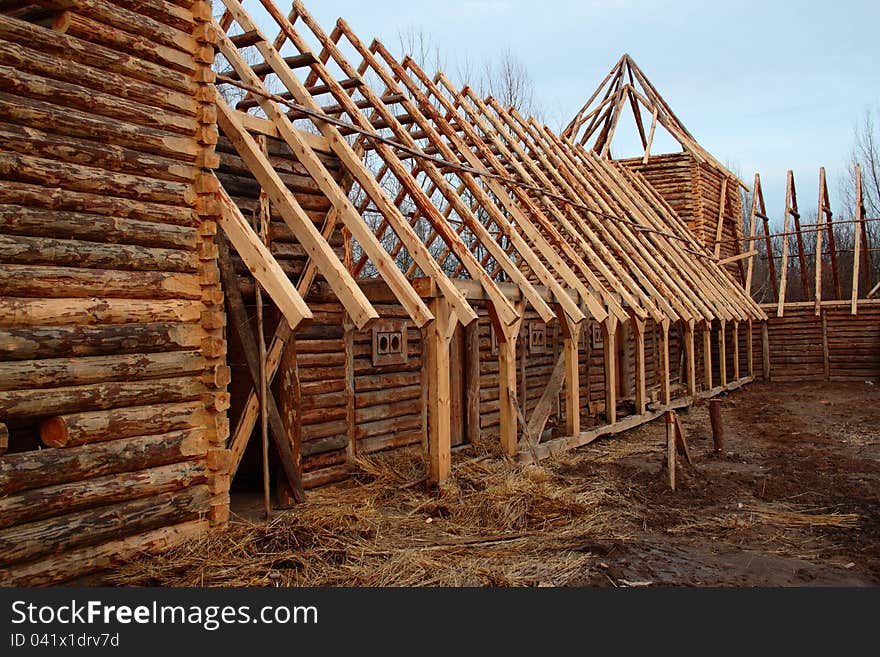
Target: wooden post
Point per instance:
(750, 354)
(472, 381)
(641, 379)
(707, 355)
(735, 335)
(670, 447)
(609, 345)
(350, 391)
(858, 232)
(262, 230)
(623, 360)
(765, 351)
(753, 230)
(665, 388)
(4, 439)
(438, 337)
(717, 425)
(783, 273)
(820, 215)
(722, 352)
(290, 407)
(826, 357)
(690, 359)
(570, 334)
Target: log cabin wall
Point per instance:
(112, 346)
(693, 189)
(846, 349)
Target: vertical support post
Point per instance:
(665, 388)
(670, 447)
(722, 352)
(707, 355)
(820, 228)
(786, 224)
(735, 335)
(472, 382)
(289, 407)
(857, 248)
(507, 383)
(623, 360)
(750, 353)
(641, 379)
(609, 345)
(765, 351)
(438, 336)
(570, 335)
(717, 425)
(690, 359)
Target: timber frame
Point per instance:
(141, 347)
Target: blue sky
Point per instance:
(763, 86)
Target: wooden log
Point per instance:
(39, 222)
(49, 251)
(96, 396)
(28, 140)
(128, 89)
(46, 342)
(100, 57)
(437, 340)
(4, 439)
(40, 503)
(81, 123)
(717, 425)
(92, 180)
(24, 280)
(51, 467)
(84, 428)
(134, 44)
(53, 198)
(63, 93)
(52, 373)
(36, 539)
(19, 312)
(61, 568)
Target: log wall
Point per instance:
(847, 349)
(112, 323)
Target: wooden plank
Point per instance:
(261, 262)
(295, 217)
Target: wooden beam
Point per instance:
(609, 346)
(690, 360)
(571, 333)
(719, 228)
(750, 353)
(665, 387)
(438, 335)
(261, 263)
(722, 352)
(857, 244)
(735, 336)
(765, 351)
(295, 217)
(640, 375)
(707, 355)
(472, 381)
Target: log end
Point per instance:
(53, 432)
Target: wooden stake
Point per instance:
(717, 425)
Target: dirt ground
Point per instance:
(793, 500)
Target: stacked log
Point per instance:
(111, 319)
(843, 347)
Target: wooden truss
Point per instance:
(626, 85)
(456, 189)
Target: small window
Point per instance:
(389, 342)
(537, 338)
(596, 336)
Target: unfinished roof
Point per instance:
(626, 84)
(449, 186)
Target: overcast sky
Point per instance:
(764, 86)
